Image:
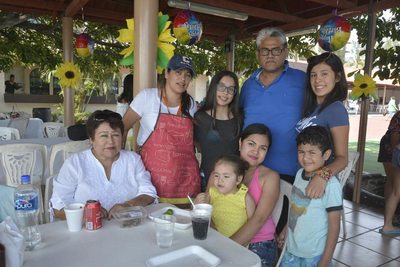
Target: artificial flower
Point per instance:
(165, 50)
(69, 74)
(363, 85)
(127, 36)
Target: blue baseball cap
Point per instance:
(179, 62)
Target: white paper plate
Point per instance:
(194, 256)
(183, 220)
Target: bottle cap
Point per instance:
(25, 179)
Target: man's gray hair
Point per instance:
(271, 32)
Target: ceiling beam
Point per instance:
(282, 6)
(24, 10)
(74, 7)
(36, 4)
(348, 13)
(251, 11)
(119, 22)
(106, 14)
(342, 4)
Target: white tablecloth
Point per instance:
(114, 246)
(49, 142)
(34, 129)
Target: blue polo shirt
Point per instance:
(279, 107)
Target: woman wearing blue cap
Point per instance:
(166, 133)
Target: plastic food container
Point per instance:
(130, 217)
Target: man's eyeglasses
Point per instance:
(104, 116)
(322, 57)
(276, 51)
(230, 89)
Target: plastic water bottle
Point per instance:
(26, 199)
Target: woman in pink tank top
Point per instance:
(263, 184)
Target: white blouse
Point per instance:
(82, 177)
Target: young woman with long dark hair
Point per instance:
(218, 122)
(325, 91)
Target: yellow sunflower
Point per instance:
(69, 74)
(363, 85)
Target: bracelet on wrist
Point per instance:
(324, 172)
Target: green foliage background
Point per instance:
(38, 42)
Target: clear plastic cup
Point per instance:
(200, 222)
(74, 214)
(164, 225)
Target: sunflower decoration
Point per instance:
(364, 86)
(69, 74)
(165, 50)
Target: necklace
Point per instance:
(165, 100)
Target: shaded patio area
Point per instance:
(364, 245)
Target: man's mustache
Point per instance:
(269, 60)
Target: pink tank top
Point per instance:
(268, 230)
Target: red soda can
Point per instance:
(93, 215)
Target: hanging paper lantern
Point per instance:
(334, 34)
(84, 45)
(187, 27)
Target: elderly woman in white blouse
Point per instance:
(115, 177)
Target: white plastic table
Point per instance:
(114, 246)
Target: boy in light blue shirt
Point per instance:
(314, 224)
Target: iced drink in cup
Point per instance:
(200, 223)
(204, 206)
(164, 225)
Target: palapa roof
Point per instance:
(289, 15)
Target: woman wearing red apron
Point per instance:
(166, 133)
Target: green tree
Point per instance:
(36, 41)
(386, 57)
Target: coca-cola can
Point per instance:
(93, 214)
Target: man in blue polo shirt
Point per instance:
(273, 96)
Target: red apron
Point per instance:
(168, 155)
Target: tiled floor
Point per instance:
(363, 245)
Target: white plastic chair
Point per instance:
(48, 192)
(20, 159)
(285, 190)
(20, 124)
(342, 177)
(127, 145)
(51, 129)
(67, 150)
(8, 133)
(63, 132)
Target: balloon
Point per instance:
(84, 45)
(334, 34)
(187, 27)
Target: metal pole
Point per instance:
(230, 55)
(365, 104)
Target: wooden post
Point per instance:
(145, 60)
(365, 105)
(384, 97)
(67, 44)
